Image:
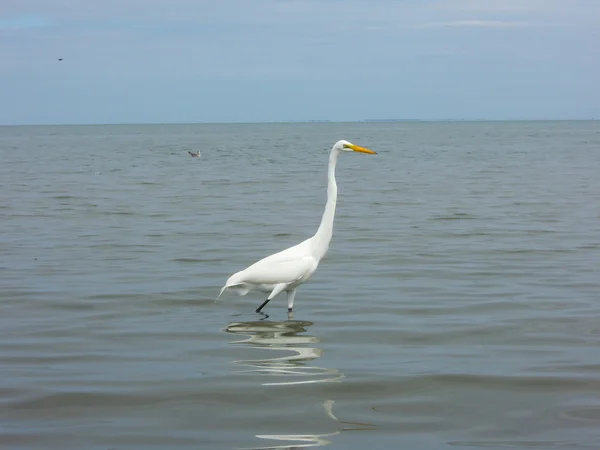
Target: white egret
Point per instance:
(286, 270)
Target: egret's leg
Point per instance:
(291, 295)
(263, 305)
(276, 290)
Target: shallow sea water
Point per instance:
(458, 306)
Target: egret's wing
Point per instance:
(280, 271)
(289, 254)
(287, 266)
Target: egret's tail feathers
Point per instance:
(220, 293)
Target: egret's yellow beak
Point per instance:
(360, 149)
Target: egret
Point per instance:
(286, 270)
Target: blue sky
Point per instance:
(139, 61)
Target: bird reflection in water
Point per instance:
(283, 336)
(287, 336)
(313, 440)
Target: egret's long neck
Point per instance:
(325, 231)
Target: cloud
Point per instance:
(320, 16)
(538, 12)
(500, 7)
(481, 24)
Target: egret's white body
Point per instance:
(286, 270)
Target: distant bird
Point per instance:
(195, 155)
(286, 270)
(60, 59)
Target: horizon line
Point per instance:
(307, 121)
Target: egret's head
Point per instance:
(345, 146)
